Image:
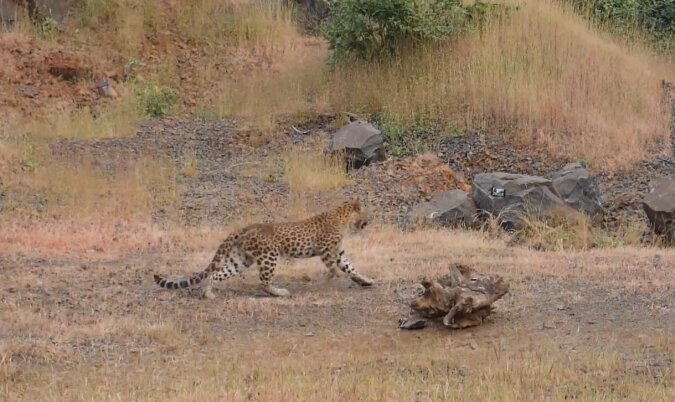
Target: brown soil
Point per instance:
(64, 316)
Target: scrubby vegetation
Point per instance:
(627, 17)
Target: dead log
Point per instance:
(463, 298)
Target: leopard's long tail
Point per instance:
(182, 283)
(214, 269)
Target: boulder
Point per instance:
(659, 204)
(575, 186)
(510, 196)
(361, 143)
(452, 208)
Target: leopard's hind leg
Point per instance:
(228, 261)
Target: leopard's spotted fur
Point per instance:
(263, 244)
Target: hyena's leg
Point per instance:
(349, 269)
(267, 263)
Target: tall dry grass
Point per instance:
(58, 205)
(541, 74)
(263, 26)
(312, 176)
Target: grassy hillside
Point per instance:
(539, 75)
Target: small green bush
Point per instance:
(367, 28)
(405, 139)
(156, 101)
(655, 17)
(47, 28)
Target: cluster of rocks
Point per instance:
(509, 197)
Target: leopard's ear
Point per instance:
(355, 202)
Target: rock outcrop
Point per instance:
(511, 196)
(576, 188)
(659, 205)
(360, 142)
(452, 208)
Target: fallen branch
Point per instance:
(463, 297)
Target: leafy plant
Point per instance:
(367, 28)
(655, 17)
(156, 101)
(47, 28)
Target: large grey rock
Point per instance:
(452, 208)
(659, 204)
(361, 142)
(511, 196)
(575, 186)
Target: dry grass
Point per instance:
(115, 120)
(292, 86)
(310, 171)
(620, 266)
(365, 367)
(540, 74)
(311, 175)
(563, 230)
(67, 207)
(77, 189)
(262, 27)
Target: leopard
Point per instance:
(263, 244)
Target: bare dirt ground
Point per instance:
(585, 326)
(84, 322)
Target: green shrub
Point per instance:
(404, 139)
(47, 28)
(367, 28)
(156, 101)
(655, 17)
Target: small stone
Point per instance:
(28, 91)
(412, 323)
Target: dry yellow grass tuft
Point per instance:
(311, 174)
(115, 120)
(563, 230)
(309, 171)
(84, 208)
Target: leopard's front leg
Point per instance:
(329, 259)
(267, 264)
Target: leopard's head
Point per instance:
(358, 214)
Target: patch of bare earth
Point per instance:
(589, 325)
